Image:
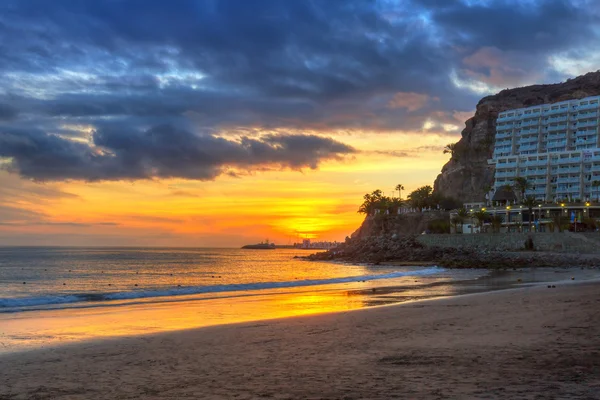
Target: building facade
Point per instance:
(556, 147)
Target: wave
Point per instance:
(23, 302)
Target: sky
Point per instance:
(217, 123)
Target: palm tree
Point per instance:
(530, 202)
(521, 184)
(595, 184)
(496, 222)
(462, 215)
(557, 221)
(450, 148)
(455, 221)
(399, 188)
(481, 218)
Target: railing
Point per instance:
(584, 142)
(556, 143)
(568, 170)
(568, 180)
(535, 122)
(587, 107)
(524, 147)
(556, 128)
(530, 131)
(508, 174)
(583, 124)
(558, 111)
(591, 114)
(536, 162)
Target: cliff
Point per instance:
(403, 224)
(467, 175)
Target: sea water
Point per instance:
(59, 295)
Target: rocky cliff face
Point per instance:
(467, 176)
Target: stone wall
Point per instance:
(565, 242)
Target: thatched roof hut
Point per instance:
(505, 195)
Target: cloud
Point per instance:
(123, 69)
(410, 101)
(116, 153)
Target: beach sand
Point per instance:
(525, 343)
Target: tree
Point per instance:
(496, 221)
(395, 204)
(462, 214)
(481, 217)
(399, 188)
(557, 221)
(530, 202)
(450, 148)
(455, 222)
(521, 184)
(421, 197)
(595, 184)
(371, 202)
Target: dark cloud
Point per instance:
(163, 151)
(7, 112)
(121, 67)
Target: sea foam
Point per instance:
(25, 303)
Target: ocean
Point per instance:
(50, 296)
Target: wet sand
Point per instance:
(530, 343)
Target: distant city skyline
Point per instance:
(219, 123)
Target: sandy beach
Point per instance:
(525, 343)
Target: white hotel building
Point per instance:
(556, 147)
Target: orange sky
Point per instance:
(281, 205)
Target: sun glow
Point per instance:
(282, 205)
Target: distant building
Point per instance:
(555, 147)
(307, 244)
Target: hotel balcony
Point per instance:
(587, 107)
(530, 131)
(535, 162)
(506, 174)
(569, 180)
(556, 128)
(503, 135)
(571, 170)
(556, 149)
(591, 114)
(538, 172)
(591, 122)
(557, 143)
(557, 111)
(586, 133)
(584, 142)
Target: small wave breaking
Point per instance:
(9, 304)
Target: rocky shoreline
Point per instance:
(382, 249)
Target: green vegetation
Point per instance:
(482, 217)
(399, 188)
(438, 226)
(496, 222)
(377, 201)
(521, 185)
(420, 198)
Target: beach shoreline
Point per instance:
(515, 343)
